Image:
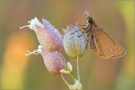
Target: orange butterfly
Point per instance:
(100, 41)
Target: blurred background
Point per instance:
(29, 73)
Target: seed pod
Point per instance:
(74, 41)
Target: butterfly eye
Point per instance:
(90, 20)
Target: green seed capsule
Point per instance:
(74, 41)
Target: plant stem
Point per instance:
(66, 67)
(78, 74)
(64, 79)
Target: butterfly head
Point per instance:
(89, 18)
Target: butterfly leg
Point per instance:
(79, 29)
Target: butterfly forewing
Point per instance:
(106, 46)
(120, 51)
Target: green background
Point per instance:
(29, 73)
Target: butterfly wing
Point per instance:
(105, 46)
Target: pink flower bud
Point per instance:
(48, 36)
(53, 60)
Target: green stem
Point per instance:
(66, 67)
(78, 74)
(72, 77)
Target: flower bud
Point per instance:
(72, 87)
(74, 41)
(48, 36)
(78, 85)
(69, 65)
(63, 71)
(53, 61)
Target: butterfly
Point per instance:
(100, 41)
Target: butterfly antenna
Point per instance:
(86, 13)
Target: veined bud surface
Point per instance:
(53, 60)
(48, 36)
(74, 41)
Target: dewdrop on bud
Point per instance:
(53, 61)
(74, 41)
(48, 36)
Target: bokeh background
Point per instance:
(29, 73)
